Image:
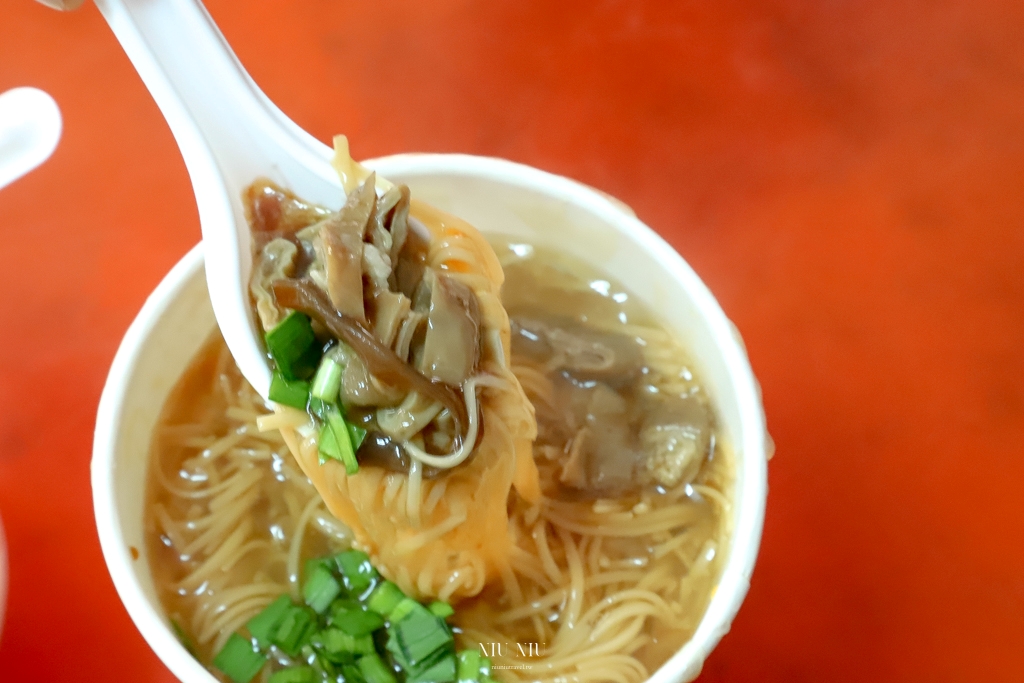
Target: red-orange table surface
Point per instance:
(847, 177)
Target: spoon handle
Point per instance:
(217, 114)
(229, 134)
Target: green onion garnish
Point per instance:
(289, 392)
(485, 667)
(239, 659)
(311, 564)
(312, 653)
(384, 598)
(351, 674)
(295, 629)
(264, 625)
(320, 589)
(293, 346)
(355, 627)
(335, 441)
(404, 608)
(469, 666)
(374, 670)
(318, 407)
(353, 619)
(295, 674)
(340, 646)
(357, 434)
(327, 382)
(441, 609)
(391, 645)
(442, 671)
(356, 568)
(420, 634)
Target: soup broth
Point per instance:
(611, 570)
(229, 517)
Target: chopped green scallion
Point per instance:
(357, 434)
(335, 441)
(391, 645)
(313, 563)
(374, 670)
(340, 646)
(264, 625)
(295, 629)
(441, 609)
(239, 659)
(352, 674)
(485, 667)
(406, 607)
(355, 621)
(469, 666)
(384, 598)
(327, 445)
(293, 346)
(420, 634)
(441, 671)
(318, 407)
(313, 653)
(320, 589)
(327, 382)
(356, 568)
(294, 674)
(289, 392)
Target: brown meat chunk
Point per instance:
(451, 348)
(341, 238)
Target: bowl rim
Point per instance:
(151, 624)
(752, 450)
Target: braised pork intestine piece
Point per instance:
(390, 310)
(341, 245)
(274, 211)
(360, 387)
(276, 262)
(451, 347)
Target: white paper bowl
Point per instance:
(496, 196)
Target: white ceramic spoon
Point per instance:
(229, 133)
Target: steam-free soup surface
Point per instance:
(612, 569)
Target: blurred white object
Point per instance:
(30, 127)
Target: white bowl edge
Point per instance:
(103, 471)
